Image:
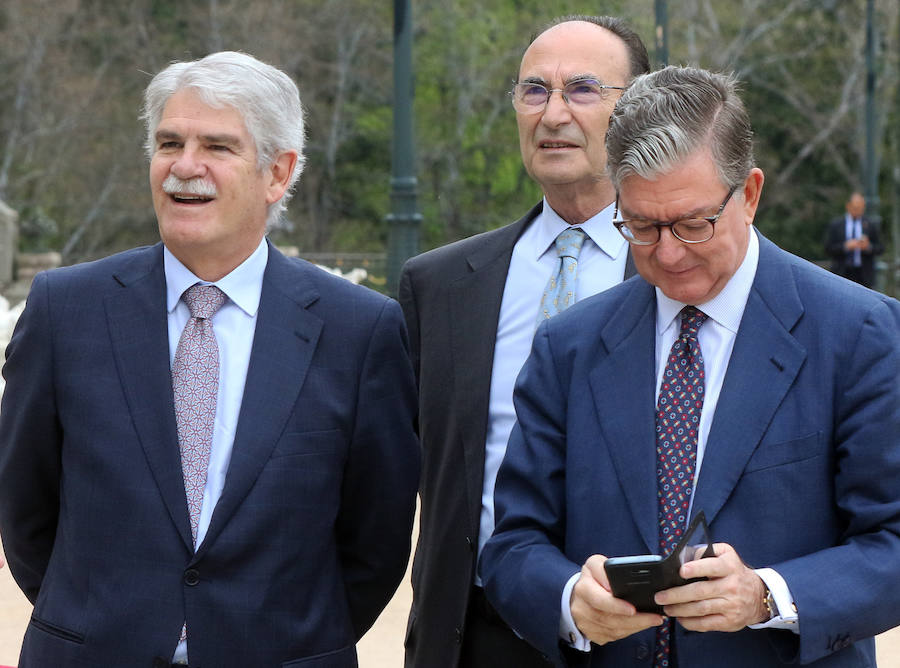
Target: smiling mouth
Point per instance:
(191, 199)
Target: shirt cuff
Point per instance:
(567, 629)
(787, 617)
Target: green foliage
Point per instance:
(72, 73)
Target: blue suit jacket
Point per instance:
(311, 534)
(801, 471)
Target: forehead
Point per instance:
(575, 48)
(693, 185)
(185, 110)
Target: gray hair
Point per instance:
(665, 116)
(265, 97)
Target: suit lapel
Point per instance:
(283, 346)
(475, 300)
(765, 355)
(136, 315)
(625, 413)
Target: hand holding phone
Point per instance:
(637, 578)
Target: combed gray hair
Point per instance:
(667, 115)
(265, 97)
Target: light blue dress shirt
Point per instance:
(234, 325)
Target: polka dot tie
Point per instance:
(195, 380)
(560, 291)
(677, 423)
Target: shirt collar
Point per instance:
(727, 307)
(243, 285)
(598, 229)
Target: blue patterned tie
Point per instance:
(677, 424)
(560, 291)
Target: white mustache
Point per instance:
(197, 186)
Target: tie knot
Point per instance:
(691, 320)
(569, 242)
(203, 300)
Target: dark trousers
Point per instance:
(489, 643)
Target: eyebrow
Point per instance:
(566, 81)
(224, 139)
(696, 213)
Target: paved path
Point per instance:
(382, 647)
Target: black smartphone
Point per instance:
(637, 578)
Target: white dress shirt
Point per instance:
(601, 264)
(853, 230)
(234, 325)
(716, 337)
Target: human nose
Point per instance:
(188, 164)
(556, 111)
(669, 249)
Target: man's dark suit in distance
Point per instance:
(797, 451)
(471, 308)
(309, 495)
(852, 242)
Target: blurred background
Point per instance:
(72, 73)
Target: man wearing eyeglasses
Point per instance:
(731, 378)
(472, 308)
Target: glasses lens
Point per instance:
(585, 92)
(642, 231)
(693, 229)
(529, 95)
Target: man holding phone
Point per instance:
(731, 378)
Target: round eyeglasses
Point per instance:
(531, 97)
(642, 232)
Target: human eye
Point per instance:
(584, 91)
(641, 229)
(531, 93)
(693, 229)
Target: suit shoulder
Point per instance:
(454, 254)
(332, 287)
(139, 260)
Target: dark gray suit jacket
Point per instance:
(451, 299)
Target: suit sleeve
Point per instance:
(523, 565)
(852, 591)
(381, 475)
(30, 445)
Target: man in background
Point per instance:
(472, 308)
(731, 378)
(207, 450)
(852, 242)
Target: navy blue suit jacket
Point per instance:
(801, 471)
(311, 534)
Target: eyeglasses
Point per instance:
(642, 232)
(531, 97)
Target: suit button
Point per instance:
(642, 652)
(191, 577)
(457, 635)
(470, 543)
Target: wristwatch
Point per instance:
(771, 606)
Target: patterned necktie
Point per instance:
(560, 291)
(195, 380)
(677, 423)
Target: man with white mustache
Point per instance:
(207, 449)
(472, 307)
